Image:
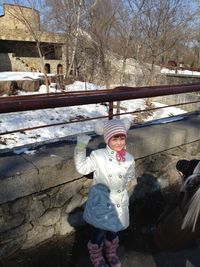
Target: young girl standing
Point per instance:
(107, 207)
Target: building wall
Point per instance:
(10, 21)
(9, 62)
(18, 47)
(11, 28)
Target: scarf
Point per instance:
(120, 155)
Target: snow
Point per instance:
(180, 72)
(16, 76)
(19, 120)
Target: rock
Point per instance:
(37, 235)
(15, 233)
(50, 217)
(69, 223)
(11, 247)
(29, 85)
(11, 222)
(35, 210)
(66, 192)
(75, 202)
(8, 87)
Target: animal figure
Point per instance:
(181, 227)
(191, 188)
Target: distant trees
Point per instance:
(163, 26)
(65, 17)
(150, 31)
(87, 26)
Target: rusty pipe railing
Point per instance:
(93, 118)
(44, 101)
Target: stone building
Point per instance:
(18, 50)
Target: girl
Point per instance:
(106, 209)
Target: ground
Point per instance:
(71, 252)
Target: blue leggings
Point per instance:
(98, 235)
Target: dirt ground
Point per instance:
(134, 251)
(67, 251)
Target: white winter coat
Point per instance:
(108, 201)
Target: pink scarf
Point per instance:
(120, 155)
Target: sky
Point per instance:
(22, 141)
(36, 4)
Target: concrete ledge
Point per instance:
(22, 175)
(152, 139)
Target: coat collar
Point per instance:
(119, 156)
(111, 152)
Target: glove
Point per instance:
(83, 140)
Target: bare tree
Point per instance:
(127, 22)
(66, 16)
(77, 17)
(32, 26)
(163, 24)
(101, 17)
(147, 30)
(128, 14)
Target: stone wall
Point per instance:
(31, 63)
(181, 79)
(8, 62)
(12, 12)
(41, 194)
(180, 98)
(12, 27)
(18, 35)
(16, 38)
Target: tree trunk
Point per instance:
(42, 66)
(75, 39)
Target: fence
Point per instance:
(53, 100)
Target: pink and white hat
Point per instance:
(111, 128)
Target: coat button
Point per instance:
(118, 205)
(120, 176)
(112, 152)
(110, 159)
(119, 191)
(110, 175)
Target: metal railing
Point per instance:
(76, 98)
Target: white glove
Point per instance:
(83, 140)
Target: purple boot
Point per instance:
(111, 252)
(96, 255)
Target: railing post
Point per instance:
(110, 112)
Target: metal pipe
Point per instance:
(93, 118)
(34, 102)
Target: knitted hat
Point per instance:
(186, 166)
(112, 127)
